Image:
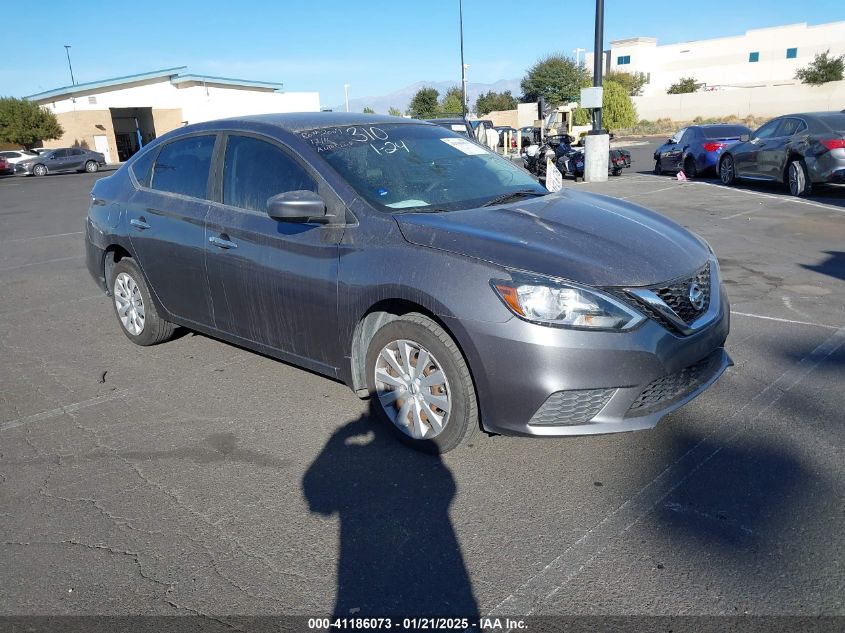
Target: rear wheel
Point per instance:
(133, 307)
(727, 170)
(690, 170)
(798, 179)
(91, 166)
(421, 384)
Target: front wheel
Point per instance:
(727, 170)
(92, 166)
(658, 168)
(39, 170)
(798, 179)
(421, 384)
(133, 307)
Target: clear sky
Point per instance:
(375, 46)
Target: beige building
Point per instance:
(119, 116)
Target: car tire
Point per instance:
(39, 170)
(798, 178)
(727, 170)
(136, 313)
(398, 346)
(658, 168)
(92, 167)
(690, 170)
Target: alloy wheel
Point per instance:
(129, 303)
(412, 389)
(796, 179)
(726, 170)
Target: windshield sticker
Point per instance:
(463, 145)
(458, 128)
(404, 204)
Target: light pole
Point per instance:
(464, 84)
(346, 95)
(598, 58)
(463, 65)
(597, 141)
(67, 51)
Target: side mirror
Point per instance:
(744, 138)
(671, 141)
(296, 205)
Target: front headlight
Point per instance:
(552, 302)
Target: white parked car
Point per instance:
(14, 156)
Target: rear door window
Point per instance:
(790, 126)
(182, 166)
(255, 170)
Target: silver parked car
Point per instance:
(62, 159)
(512, 309)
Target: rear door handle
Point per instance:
(139, 224)
(222, 243)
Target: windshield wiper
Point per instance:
(513, 195)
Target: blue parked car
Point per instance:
(696, 149)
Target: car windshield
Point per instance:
(418, 167)
(725, 131)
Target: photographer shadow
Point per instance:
(399, 555)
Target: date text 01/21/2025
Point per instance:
(432, 624)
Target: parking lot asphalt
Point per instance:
(198, 477)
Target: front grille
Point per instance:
(569, 408)
(676, 296)
(664, 390)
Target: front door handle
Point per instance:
(139, 224)
(222, 243)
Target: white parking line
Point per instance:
(46, 261)
(68, 408)
(783, 198)
(40, 237)
(645, 193)
(779, 320)
(554, 576)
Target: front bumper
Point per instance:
(537, 380)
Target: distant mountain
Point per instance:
(401, 98)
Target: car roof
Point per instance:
(712, 125)
(298, 121)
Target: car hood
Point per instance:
(585, 238)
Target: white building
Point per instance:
(761, 57)
(118, 116)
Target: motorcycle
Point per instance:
(567, 159)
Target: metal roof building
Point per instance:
(118, 116)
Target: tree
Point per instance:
(617, 108)
(632, 82)
(368, 110)
(394, 111)
(684, 86)
(26, 123)
(451, 101)
(822, 69)
(556, 78)
(424, 103)
(493, 101)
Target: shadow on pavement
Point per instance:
(833, 266)
(399, 555)
(746, 494)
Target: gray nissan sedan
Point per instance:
(417, 267)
